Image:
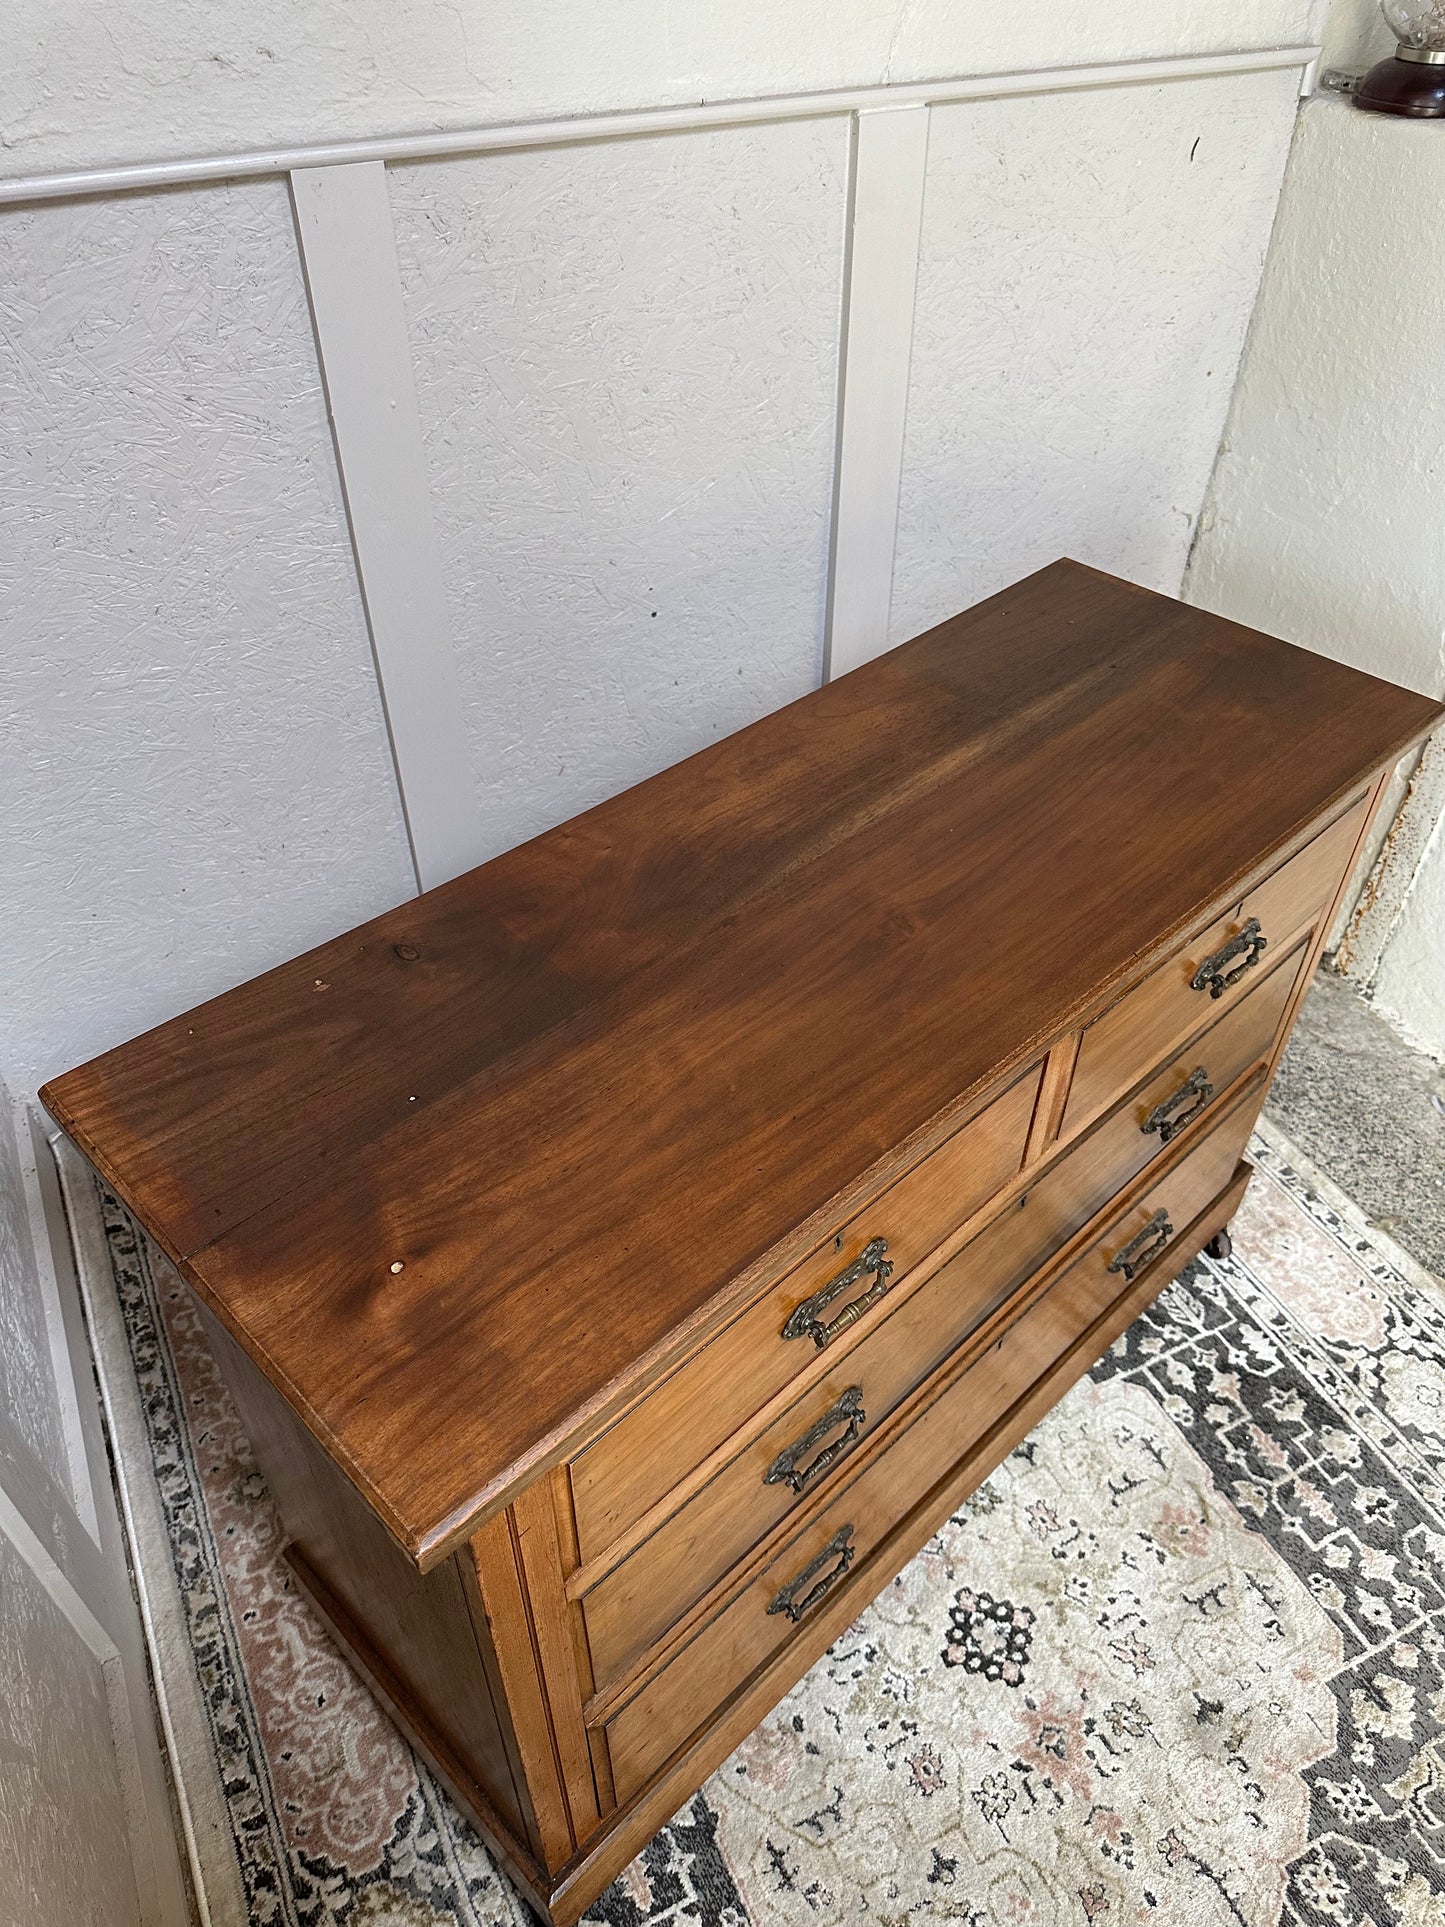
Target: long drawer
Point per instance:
(1212, 969)
(780, 1468)
(640, 1459)
(844, 1529)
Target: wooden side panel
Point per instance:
(418, 1628)
(498, 1593)
(535, 1518)
(1053, 1095)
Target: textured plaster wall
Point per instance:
(81, 85)
(1325, 514)
(626, 366)
(1409, 985)
(1087, 269)
(1355, 35)
(195, 780)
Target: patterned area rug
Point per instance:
(1180, 1660)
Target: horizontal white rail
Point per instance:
(436, 143)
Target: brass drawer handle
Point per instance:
(1145, 1248)
(839, 1547)
(1211, 976)
(807, 1322)
(785, 1469)
(1162, 1118)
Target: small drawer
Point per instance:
(1213, 970)
(1182, 1096)
(639, 1459)
(651, 1589)
(842, 1532)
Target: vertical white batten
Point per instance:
(890, 158)
(348, 251)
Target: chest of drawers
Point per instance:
(625, 1256)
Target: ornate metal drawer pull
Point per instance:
(839, 1547)
(1249, 944)
(1162, 1118)
(1141, 1252)
(785, 1469)
(807, 1321)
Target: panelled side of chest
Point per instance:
(457, 1675)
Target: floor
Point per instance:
(1370, 1112)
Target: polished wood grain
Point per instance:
(648, 1452)
(496, 1587)
(500, 1205)
(1053, 1096)
(720, 1659)
(789, 964)
(1167, 1006)
(629, 1607)
(1099, 1164)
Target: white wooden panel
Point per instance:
(30, 1399)
(890, 152)
(510, 136)
(64, 1852)
(85, 1811)
(195, 781)
(626, 364)
(1087, 269)
(343, 221)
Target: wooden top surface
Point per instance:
(581, 1093)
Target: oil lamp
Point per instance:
(1412, 80)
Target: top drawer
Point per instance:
(660, 1441)
(1210, 972)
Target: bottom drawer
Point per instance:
(758, 1621)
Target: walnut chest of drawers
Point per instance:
(626, 1255)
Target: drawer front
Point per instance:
(841, 1533)
(651, 1589)
(640, 1459)
(1176, 1100)
(1167, 1006)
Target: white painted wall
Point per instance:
(1325, 516)
(144, 79)
(625, 356)
(1087, 269)
(626, 366)
(1409, 982)
(194, 773)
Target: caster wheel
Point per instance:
(1220, 1245)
